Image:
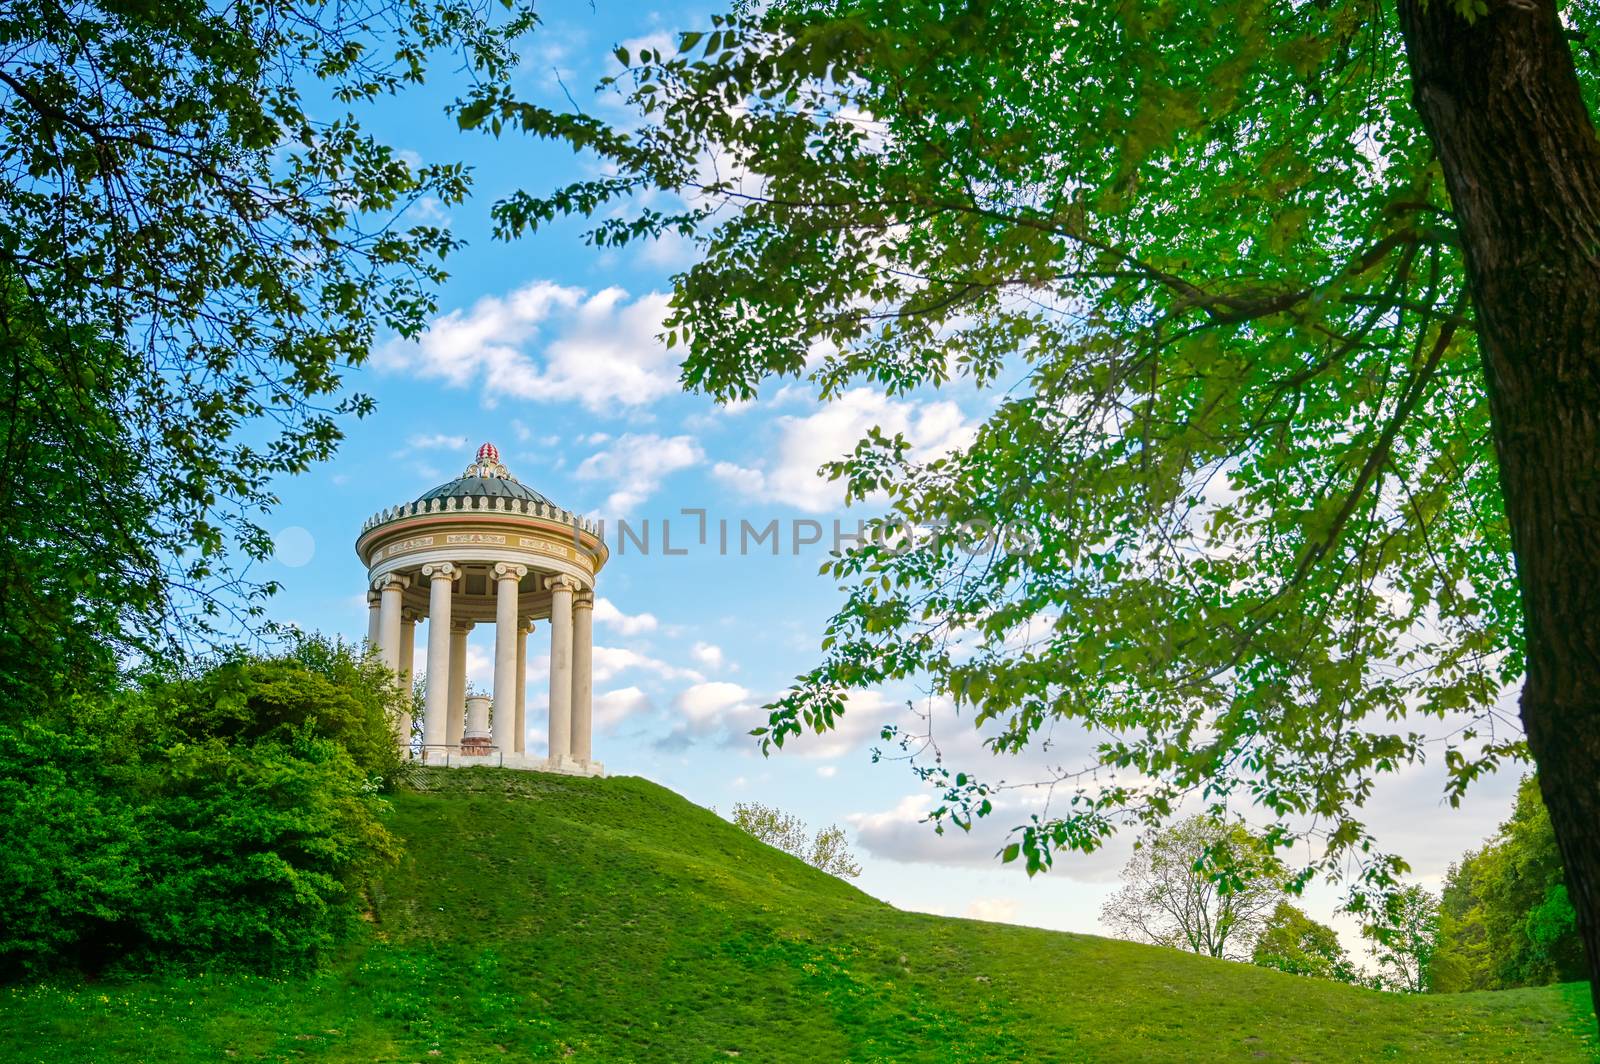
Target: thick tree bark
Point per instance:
(1501, 102)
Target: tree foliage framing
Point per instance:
(170, 199)
(1287, 301)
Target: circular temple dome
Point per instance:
(486, 486)
(475, 487)
(486, 477)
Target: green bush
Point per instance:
(233, 816)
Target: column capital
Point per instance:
(391, 580)
(526, 627)
(411, 616)
(583, 600)
(509, 571)
(562, 583)
(441, 571)
(463, 625)
(372, 598)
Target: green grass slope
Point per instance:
(543, 918)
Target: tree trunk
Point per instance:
(1500, 100)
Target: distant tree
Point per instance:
(827, 849)
(1506, 918)
(1201, 885)
(1403, 942)
(1292, 942)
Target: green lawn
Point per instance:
(544, 918)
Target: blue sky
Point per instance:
(546, 347)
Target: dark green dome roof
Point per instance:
(484, 481)
(486, 477)
(477, 487)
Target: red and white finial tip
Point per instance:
(489, 453)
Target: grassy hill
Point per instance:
(542, 918)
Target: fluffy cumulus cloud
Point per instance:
(805, 443)
(607, 613)
(709, 709)
(612, 661)
(900, 834)
(708, 655)
(856, 732)
(547, 342)
(903, 834)
(713, 703)
(614, 707)
(634, 465)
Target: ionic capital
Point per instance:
(411, 616)
(390, 580)
(525, 626)
(463, 626)
(562, 583)
(583, 600)
(508, 571)
(372, 599)
(441, 571)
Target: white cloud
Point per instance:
(865, 714)
(635, 465)
(660, 41)
(609, 661)
(827, 772)
(743, 479)
(903, 834)
(995, 910)
(606, 613)
(713, 702)
(436, 441)
(613, 707)
(708, 654)
(806, 443)
(599, 350)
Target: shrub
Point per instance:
(231, 817)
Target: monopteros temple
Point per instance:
(487, 549)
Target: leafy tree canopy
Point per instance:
(1205, 256)
(1506, 919)
(191, 256)
(1404, 941)
(1292, 942)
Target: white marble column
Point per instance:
(442, 576)
(455, 721)
(372, 618)
(408, 657)
(506, 637)
(524, 629)
(561, 589)
(583, 675)
(390, 587)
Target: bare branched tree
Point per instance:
(1201, 885)
(827, 849)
